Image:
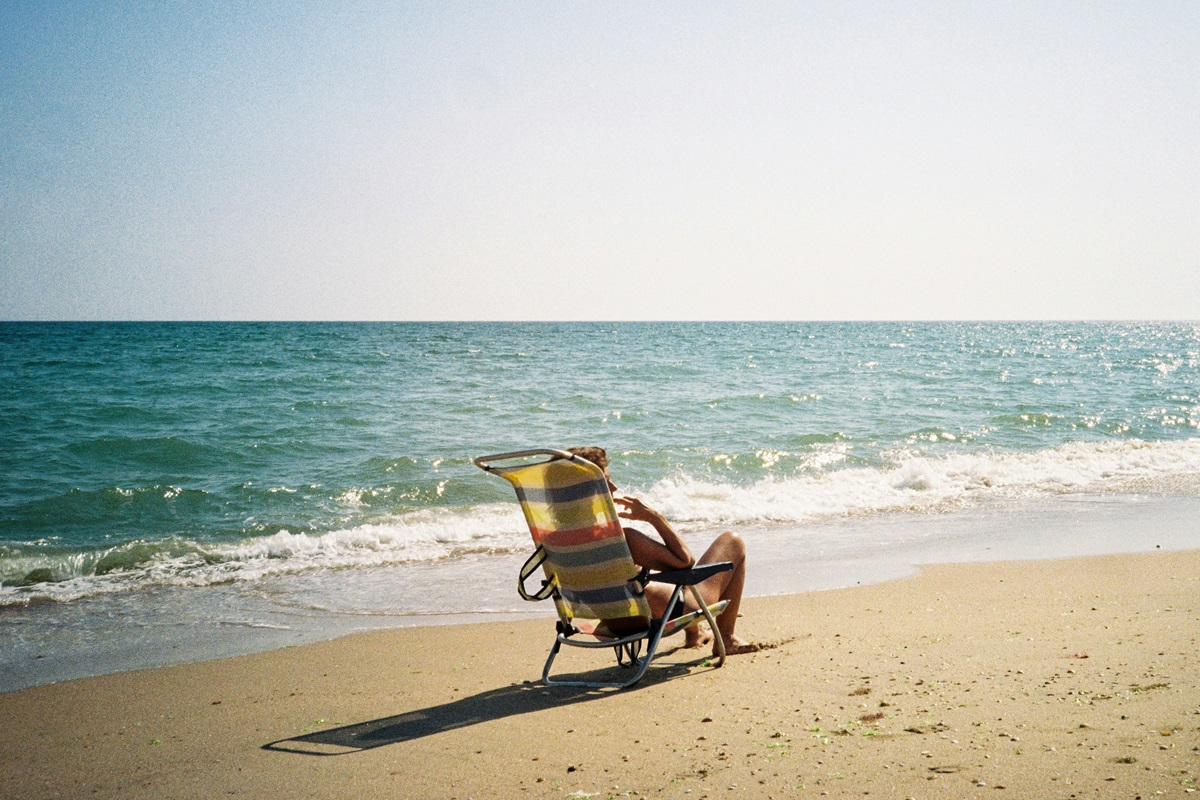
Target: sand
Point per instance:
(1054, 679)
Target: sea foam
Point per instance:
(914, 482)
(908, 482)
(425, 535)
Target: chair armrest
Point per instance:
(692, 575)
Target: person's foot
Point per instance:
(696, 636)
(737, 646)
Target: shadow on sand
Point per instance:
(493, 704)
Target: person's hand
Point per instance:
(635, 509)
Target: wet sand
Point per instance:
(1061, 678)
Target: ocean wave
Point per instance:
(908, 480)
(912, 481)
(426, 535)
(167, 452)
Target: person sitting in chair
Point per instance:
(673, 553)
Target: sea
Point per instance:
(172, 492)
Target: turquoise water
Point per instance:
(141, 460)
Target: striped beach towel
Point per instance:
(571, 516)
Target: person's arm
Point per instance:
(670, 553)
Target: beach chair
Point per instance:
(598, 590)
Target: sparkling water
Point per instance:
(327, 468)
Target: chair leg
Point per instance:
(550, 660)
(642, 663)
(712, 624)
(629, 651)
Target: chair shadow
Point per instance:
(494, 704)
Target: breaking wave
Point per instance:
(908, 481)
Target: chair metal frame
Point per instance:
(628, 647)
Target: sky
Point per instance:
(615, 160)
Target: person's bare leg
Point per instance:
(723, 586)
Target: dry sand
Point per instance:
(1061, 679)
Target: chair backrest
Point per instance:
(570, 513)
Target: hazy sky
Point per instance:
(609, 160)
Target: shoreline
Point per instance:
(51, 643)
(1065, 677)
